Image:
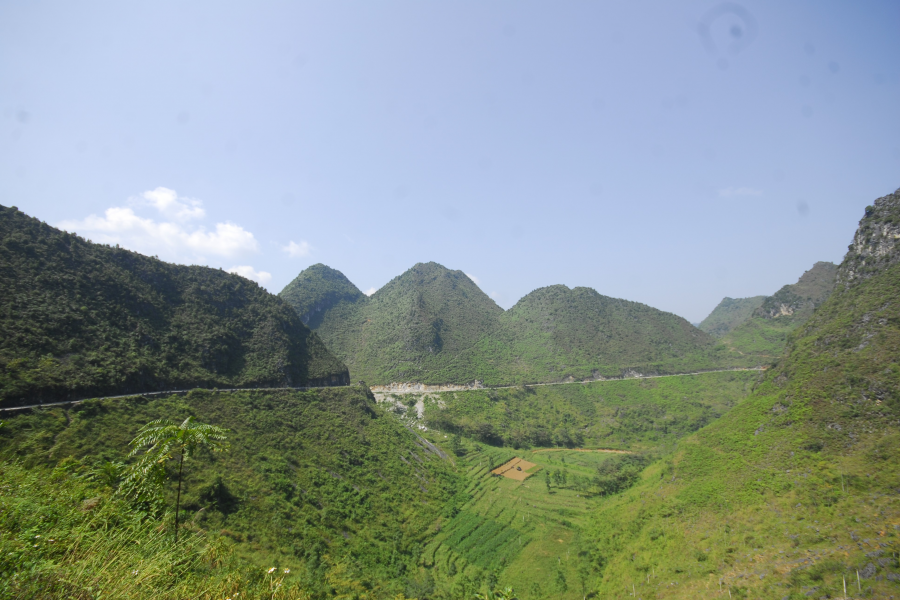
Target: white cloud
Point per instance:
(295, 250)
(260, 277)
(170, 204)
(473, 278)
(370, 291)
(741, 191)
(169, 239)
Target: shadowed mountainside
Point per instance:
(79, 319)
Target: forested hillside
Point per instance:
(415, 328)
(79, 319)
(435, 326)
(793, 492)
(555, 333)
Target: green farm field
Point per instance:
(531, 535)
(518, 533)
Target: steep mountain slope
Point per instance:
(793, 493)
(415, 328)
(765, 332)
(323, 483)
(728, 314)
(317, 290)
(435, 326)
(79, 319)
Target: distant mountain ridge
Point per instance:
(79, 319)
(433, 325)
(728, 314)
(764, 332)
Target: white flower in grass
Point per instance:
(286, 571)
(272, 570)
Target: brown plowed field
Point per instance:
(515, 469)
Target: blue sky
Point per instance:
(608, 145)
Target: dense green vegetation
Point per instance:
(434, 326)
(420, 325)
(627, 414)
(65, 534)
(793, 492)
(728, 314)
(530, 535)
(527, 535)
(324, 482)
(556, 333)
(79, 319)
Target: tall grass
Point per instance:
(65, 536)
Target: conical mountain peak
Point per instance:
(316, 290)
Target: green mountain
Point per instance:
(79, 319)
(412, 329)
(323, 483)
(318, 290)
(765, 332)
(435, 326)
(728, 314)
(555, 333)
(792, 493)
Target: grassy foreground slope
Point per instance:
(63, 534)
(793, 492)
(79, 319)
(435, 326)
(765, 332)
(324, 482)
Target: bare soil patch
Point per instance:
(515, 469)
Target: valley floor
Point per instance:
(524, 534)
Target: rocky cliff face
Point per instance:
(811, 290)
(876, 244)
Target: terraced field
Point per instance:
(517, 533)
